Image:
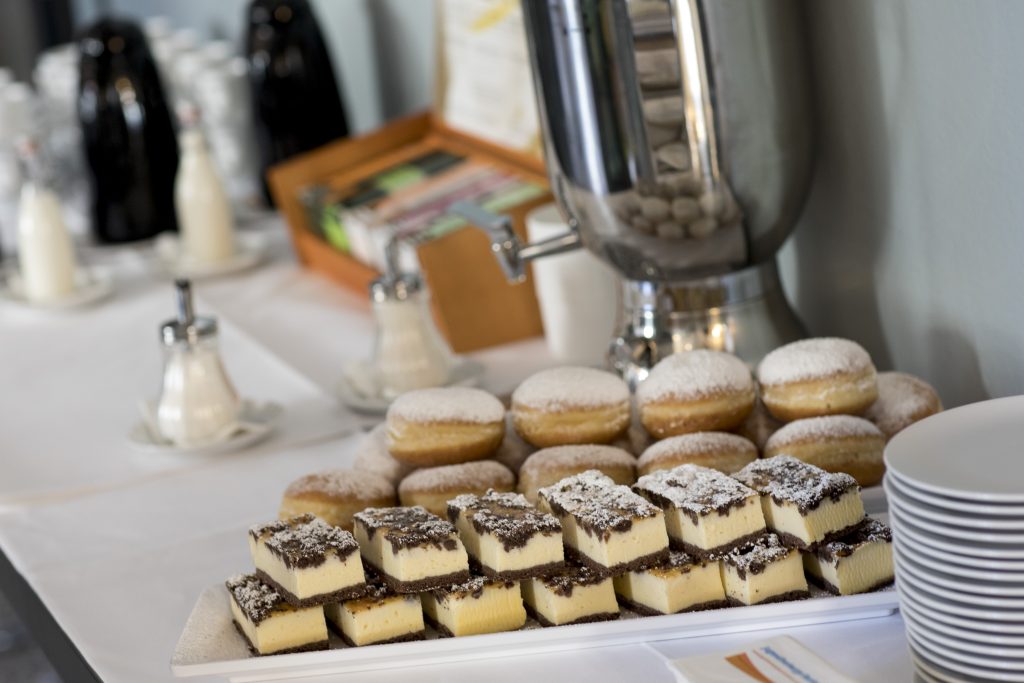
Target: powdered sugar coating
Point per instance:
(813, 359)
(787, 479)
(902, 400)
(694, 375)
(570, 388)
(577, 457)
(754, 556)
(693, 489)
(471, 476)
(509, 517)
(697, 444)
(447, 404)
(304, 540)
(822, 429)
(256, 599)
(868, 531)
(341, 486)
(372, 456)
(597, 503)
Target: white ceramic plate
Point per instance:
(250, 250)
(938, 673)
(1011, 655)
(91, 287)
(982, 627)
(971, 585)
(907, 489)
(971, 452)
(257, 421)
(358, 388)
(938, 622)
(981, 662)
(999, 580)
(1008, 555)
(210, 645)
(950, 512)
(961, 592)
(963, 562)
(974, 536)
(977, 671)
(1007, 621)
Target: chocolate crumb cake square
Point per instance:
(268, 623)
(859, 562)
(763, 570)
(682, 583)
(379, 616)
(307, 561)
(505, 536)
(707, 513)
(804, 505)
(412, 549)
(573, 595)
(606, 526)
(479, 605)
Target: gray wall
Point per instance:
(913, 237)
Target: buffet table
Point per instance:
(117, 544)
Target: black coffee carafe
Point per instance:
(296, 102)
(129, 136)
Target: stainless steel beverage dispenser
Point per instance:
(678, 142)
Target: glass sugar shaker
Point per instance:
(198, 403)
(410, 352)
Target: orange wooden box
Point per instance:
(474, 305)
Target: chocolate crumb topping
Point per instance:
(677, 560)
(564, 581)
(256, 599)
(407, 527)
(753, 557)
(695, 490)
(304, 541)
(509, 517)
(868, 531)
(789, 480)
(472, 588)
(599, 505)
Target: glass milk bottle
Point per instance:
(204, 211)
(198, 403)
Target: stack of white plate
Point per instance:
(955, 485)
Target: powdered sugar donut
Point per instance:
(433, 487)
(571, 405)
(813, 377)
(695, 391)
(722, 451)
(335, 495)
(372, 456)
(902, 400)
(444, 426)
(837, 443)
(550, 465)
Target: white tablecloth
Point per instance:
(119, 547)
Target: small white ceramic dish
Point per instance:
(91, 286)
(256, 421)
(250, 251)
(358, 388)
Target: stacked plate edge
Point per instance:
(955, 486)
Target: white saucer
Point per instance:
(945, 529)
(971, 452)
(950, 512)
(1009, 555)
(358, 388)
(91, 286)
(968, 583)
(256, 423)
(959, 627)
(979, 663)
(250, 250)
(1007, 621)
(907, 489)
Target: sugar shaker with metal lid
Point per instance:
(198, 403)
(409, 352)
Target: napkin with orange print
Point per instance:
(778, 660)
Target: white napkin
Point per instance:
(777, 660)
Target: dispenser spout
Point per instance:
(512, 255)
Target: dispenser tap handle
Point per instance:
(512, 255)
(183, 289)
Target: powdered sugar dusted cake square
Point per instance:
(682, 583)
(707, 513)
(572, 595)
(308, 561)
(763, 570)
(478, 605)
(606, 526)
(379, 616)
(859, 562)
(268, 623)
(506, 536)
(804, 505)
(410, 548)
